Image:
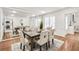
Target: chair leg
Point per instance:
(40, 48)
(52, 41)
(21, 46)
(33, 45)
(24, 48)
(46, 46)
(49, 44)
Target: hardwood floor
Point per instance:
(71, 43)
(59, 37)
(5, 45)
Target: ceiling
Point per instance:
(29, 11)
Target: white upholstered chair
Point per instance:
(51, 36)
(43, 39)
(24, 41)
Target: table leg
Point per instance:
(49, 44)
(31, 45)
(52, 41)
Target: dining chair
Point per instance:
(24, 41)
(43, 40)
(27, 29)
(12, 34)
(36, 29)
(51, 36)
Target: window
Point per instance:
(37, 21)
(32, 22)
(50, 21)
(47, 22)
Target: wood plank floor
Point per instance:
(71, 43)
(5, 45)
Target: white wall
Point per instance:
(1, 25)
(61, 22)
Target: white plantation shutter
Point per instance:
(37, 21)
(50, 21)
(47, 22)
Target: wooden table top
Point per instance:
(32, 34)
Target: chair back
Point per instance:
(22, 39)
(43, 37)
(51, 34)
(27, 28)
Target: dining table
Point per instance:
(31, 35)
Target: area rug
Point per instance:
(53, 47)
